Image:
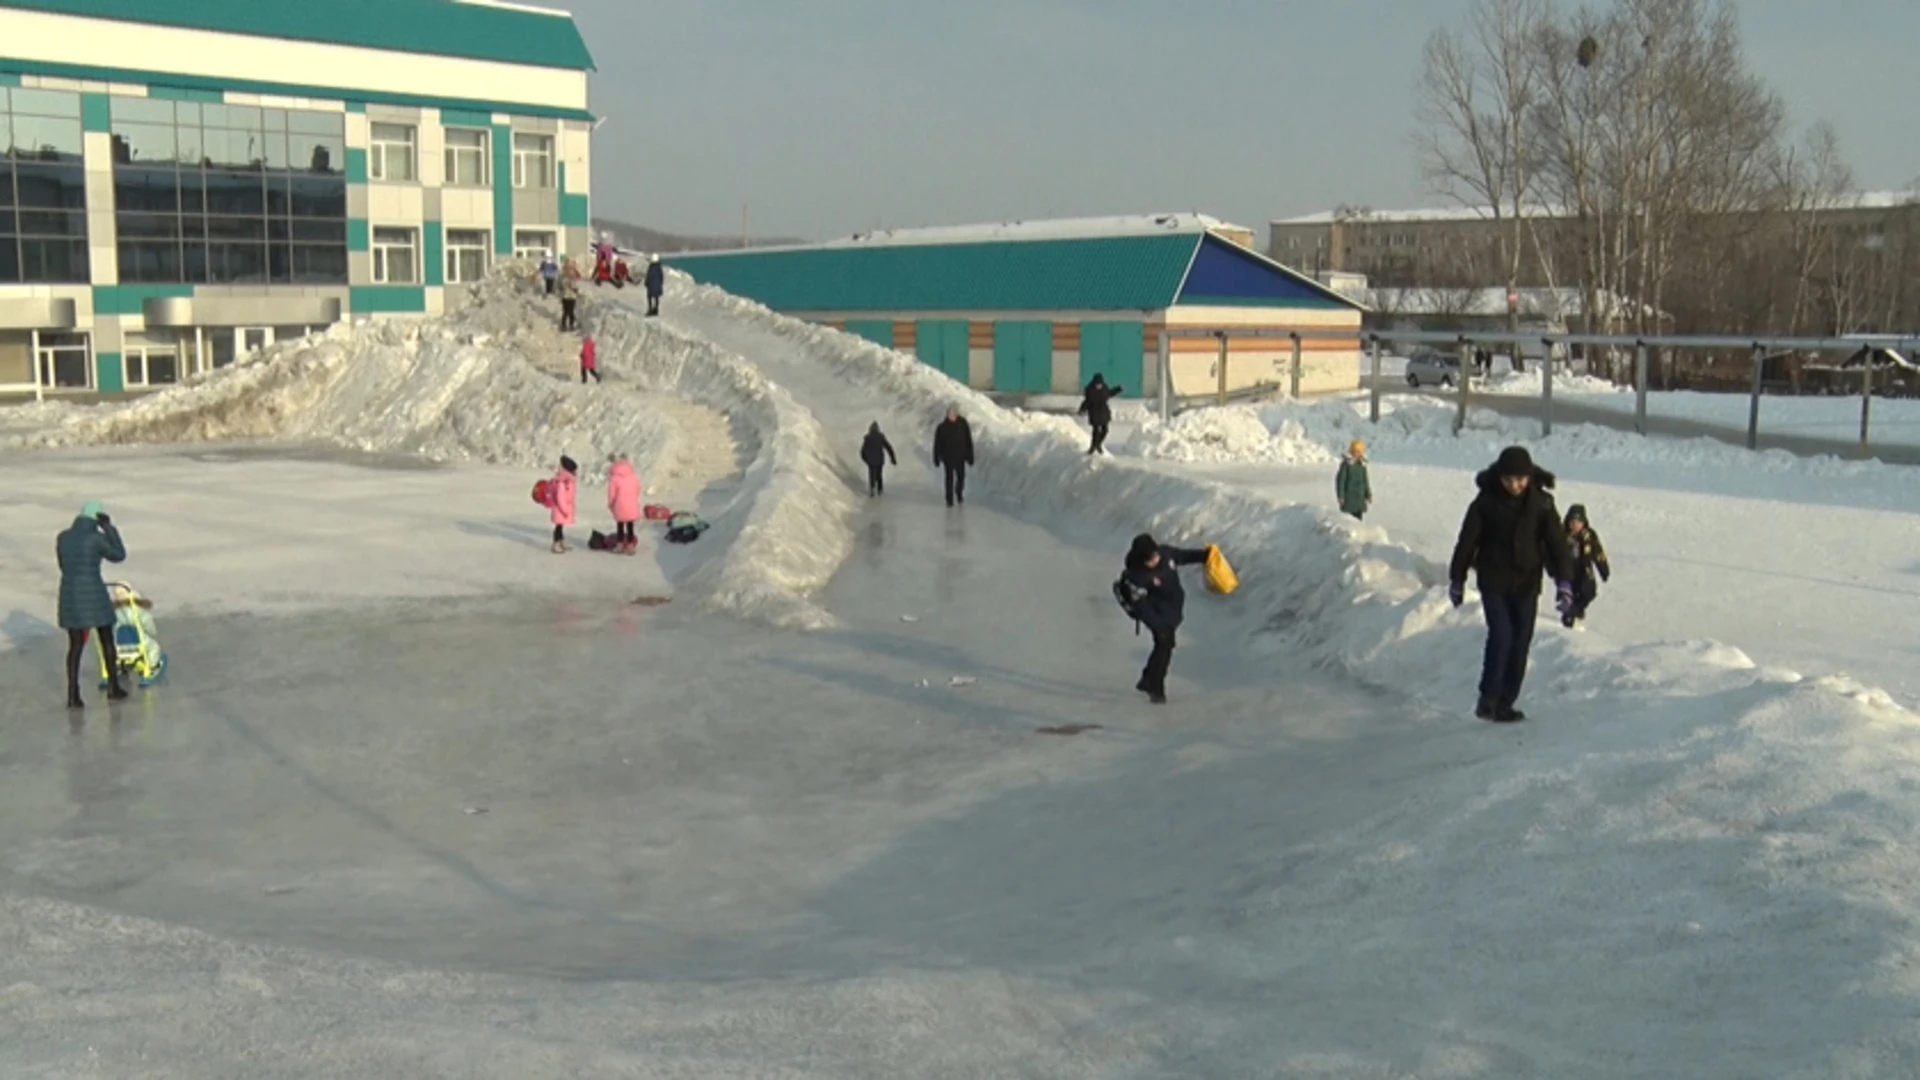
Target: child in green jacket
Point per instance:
(1350, 485)
(1589, 559)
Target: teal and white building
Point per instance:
(186, 181)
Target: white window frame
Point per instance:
(390, 250)
(523, 159)
(483, 246)
(548, 241)
(454, 153)
(44, 369)
(382, 153)
(142, 352)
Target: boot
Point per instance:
(559, 547)
(1484, 709)
(1505, 713)
(115, 691)
(73, 698)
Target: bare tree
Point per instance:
(1478, 89)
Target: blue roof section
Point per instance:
(1227, 275)
(473, 31)
(1122, 273)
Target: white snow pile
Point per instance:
(792, 526)
(463, 388)
(1532, 383)
(1229, 434)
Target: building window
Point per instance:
(532, 161)
(151, 360)
(43, 189)
(393, 256)
(228, 194)
(390, 154)
(466, 256)
(467, 158)
(533, 244)
(66, 363)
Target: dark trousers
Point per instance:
(568, 319)
(550, 283)
(1153, 678)
(623, 530)
(1585, 591)
(1099, 439)
(586, 371)
(559, 534)
(1510, 618)
(876, 483)
(76, 649)
(956, 483)
(653, 303)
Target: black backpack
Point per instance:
(1128, 596)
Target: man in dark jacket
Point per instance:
(1511, 535)
(876, 451)
(1160, 604)
(656, 284)
(1097, 407)
(953, 451)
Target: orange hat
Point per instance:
(1357, 448)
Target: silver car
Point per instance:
(1432, 369)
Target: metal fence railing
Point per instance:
(1758, 352)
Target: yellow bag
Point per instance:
(1220, 576)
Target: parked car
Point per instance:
(1432, 369)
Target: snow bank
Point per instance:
(1230, 434)
(793, 525)
(1532, 383)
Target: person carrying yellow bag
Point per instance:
(1220, 576)
(1149, 590)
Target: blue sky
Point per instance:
(829, 116)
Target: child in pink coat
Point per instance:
(560, 498)
(589, 361)
(623, 499)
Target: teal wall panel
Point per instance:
(109, 373)
(1115, 350)
(359, 237)
(573, 207)
(130, 299)
(184, 93)
(356, 165)
(465, 118)
(942, 345)
(96, 113)
(1038, 368)
(1023, 357)
(433, 244)
(502, 141)
(878, 331)
(387, 300)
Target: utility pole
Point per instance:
(743, 224)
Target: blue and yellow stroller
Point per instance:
(135, 641)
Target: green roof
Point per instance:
(1122, 273)
(473, 31)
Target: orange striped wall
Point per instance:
(905, 336)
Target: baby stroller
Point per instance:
(136, 643)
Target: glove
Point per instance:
(1605, 572)
(104, 520)
(1563, 596)
(1457, 592)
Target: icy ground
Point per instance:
(535, 829)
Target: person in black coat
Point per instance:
(1510, 537)
(953, 451)
(656, 284)
(1160, 604)
(1097, 407)
(876, 451)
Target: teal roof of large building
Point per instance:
(1003, 269)
(473, 31)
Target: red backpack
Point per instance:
(543, 492)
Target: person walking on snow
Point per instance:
(623, 500)
(1097, 407)
(1160, 604)
(561, 492)
(549, 271)
(589, 360)
(1511, 535)
(1350, 483)
(876, 451)
(656, 284)
(569, 304)
(953, 451)
(1589, 557)
(85, 606)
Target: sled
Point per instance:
(136, 642)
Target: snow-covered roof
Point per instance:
(1857, 200)
(1091, 228)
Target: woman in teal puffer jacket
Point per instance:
(84, 603)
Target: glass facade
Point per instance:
(228, 194)
(43, 189)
